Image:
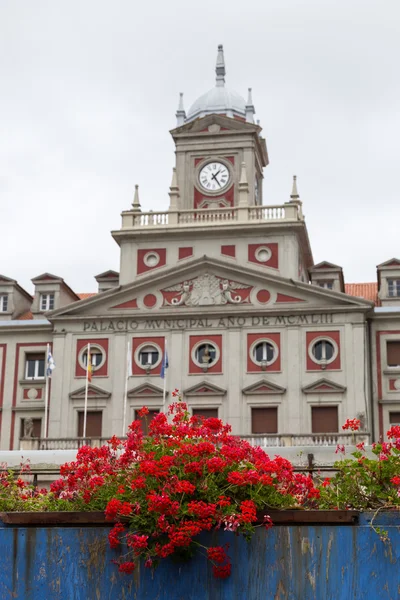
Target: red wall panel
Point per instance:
(253, 337)
(103, 371)
(193, 341)
(312, 335)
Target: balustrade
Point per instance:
(264, 440)
(201, 216)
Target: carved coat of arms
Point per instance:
(207, 290)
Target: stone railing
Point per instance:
(280, 440)
(211, 216)
(305, 439)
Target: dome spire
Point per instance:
(220, 67)
(180, 113)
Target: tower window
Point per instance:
(46, 301)
(328, 285)
(4, 303)
(393, 288)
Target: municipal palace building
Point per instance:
(256, 332)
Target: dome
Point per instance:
(220, 100)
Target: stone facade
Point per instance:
(255, 332)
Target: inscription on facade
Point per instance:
(116, 325)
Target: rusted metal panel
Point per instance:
(289, 562)
(53, 518)
(279, 517)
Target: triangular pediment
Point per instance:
(324, 386)
(262, 387)
(204, 389)
(225, 123)
(94, 393)
(110, 274)
(47, 277)
(325, 265)
(4, 279)
(392, 262)
(204, 283)
(146, 390)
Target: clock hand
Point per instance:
(214, 177)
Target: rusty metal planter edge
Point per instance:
(279, 517)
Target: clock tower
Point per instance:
(214, 141)
(216, 209)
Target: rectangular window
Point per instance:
(393, 287)
(4, 303)
(46, 301)
(324, 419)
(393, 354)
(328, 285)
(31, 428)
(93, 423)
(394, 418)
(264, 420)
(34, 366)
(147, 419)
(207, 413)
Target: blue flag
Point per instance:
(50, 364)
(165, 364)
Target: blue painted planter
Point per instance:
(292, 562)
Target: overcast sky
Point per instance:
(89, 91)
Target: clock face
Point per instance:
(214, 176)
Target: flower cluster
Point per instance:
(352, 424)
(363, 481)
(187, 476)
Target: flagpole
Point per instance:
(86, 391)
(127, 374)
(165, 376)
(46, 393)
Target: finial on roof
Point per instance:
(243, 174)
(136, 203)
(295, 194)
(180, 113)
(243, 187)
(250, 110)
(220, 67)
(174, 192)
